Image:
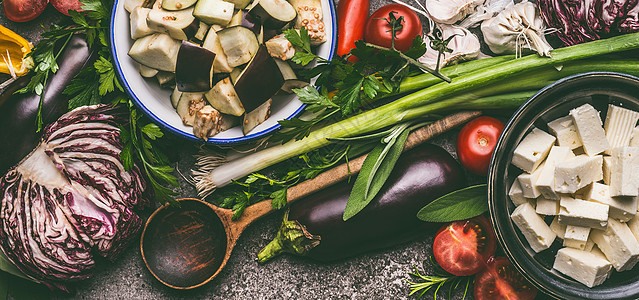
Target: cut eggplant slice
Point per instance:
(212, 43)
(223, 97)
(194, 68)
(259, 81)
(256, 117)
(180, 24)
(147, 72)
(228, 122)
(201, 31)
(166, 79)
(239, 44)
(130, 5)
(137, 20)
(309, 15)
(188, 105)
(206, 122)
(236, 19)
(177, 4)
(273, 14)
(290, 78)
(235, 74)
(157, 51)
(240, 4)
(280, 47)
(214, 11)
(175, 97)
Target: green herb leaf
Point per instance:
(279, 198)
(458, 205)
(152, 131)
(349, 97)
(376, 169)
(303, 58)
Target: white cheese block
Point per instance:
(595, 250)
(633, 224)
(532, 150)
(528, 183)
(590, 130)
(557, 228)
(582, 213)
(634, 141)
(624, 175)
(577, 172)
(565, 132)
(621, 208)
(607, 164)
(546, 180)
(516, 195)
(576, 237)
(547, 207)
(618, 244)
(533, 227)
(585, 267)
(589, 245)
(619, 125)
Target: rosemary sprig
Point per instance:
(437, 282)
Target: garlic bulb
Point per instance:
(465, 46)
(450, 11)
(517, 27)
(489, 9)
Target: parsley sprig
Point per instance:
(97, 84)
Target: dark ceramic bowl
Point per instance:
(552, 102)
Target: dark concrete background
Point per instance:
(377, 275)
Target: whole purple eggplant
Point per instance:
(18, 111)
(314, 227)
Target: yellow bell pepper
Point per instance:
(13, 53)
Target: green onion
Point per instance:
(467, 87)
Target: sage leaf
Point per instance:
(375, 171)
(458, 205)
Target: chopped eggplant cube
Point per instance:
(256, 117)
(239, 44)
(214, 11)
(194, 69)
(157, 51)
(223, 97)
(180, 25)
(259, 81)
(273, 14)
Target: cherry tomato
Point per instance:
(64, 6)
(463, 247)
(378, 31)
(351, 16)
(500, 280)
(23, 10)
(476, 143)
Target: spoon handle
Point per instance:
(343, 171)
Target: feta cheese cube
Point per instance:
(548, 207)
(634, 141)
(621, 208)
(595, 250)
(618, 244)
(577, 172)
(590, 130)
(585, 267)
(546, 180)
(528, 183)
(516, 195)
(582, 213)
(633, 224)
(607, 164)
(533, 227)
(589, 245)
(532, 150)
(566, 132)
(619, 125)
(576, 237)
(557, 228)
(624, 178)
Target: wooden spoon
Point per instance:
(187, 247)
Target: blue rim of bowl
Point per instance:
(190, 136)
(492, 173)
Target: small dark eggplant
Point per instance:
(18, 111)
(314, 226)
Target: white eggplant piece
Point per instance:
(310, 16)
(130, 5)
(147, 72)
(239, 44)
(165, 79)
(212, 43)
(139, 27)
(450, 11)
(259, 81)
(223, 97)
(240, 4)
(290, 78)
(201, 31)
(206, 122)
(228, 121)
(177, 4)
(256, 117)
(272, 14)
(180, 24)
(157, 51)
(465, 46)
(214, 11)
(280, 47)
(189, 105)
(175, 97)
(235, 74)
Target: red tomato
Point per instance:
(463, 247)
(64, 6)
(23, 10)
(351, 16)
(500, 280)
(378, 31)
(476, 143)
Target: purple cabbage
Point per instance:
(71, 199)
(579, 21)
